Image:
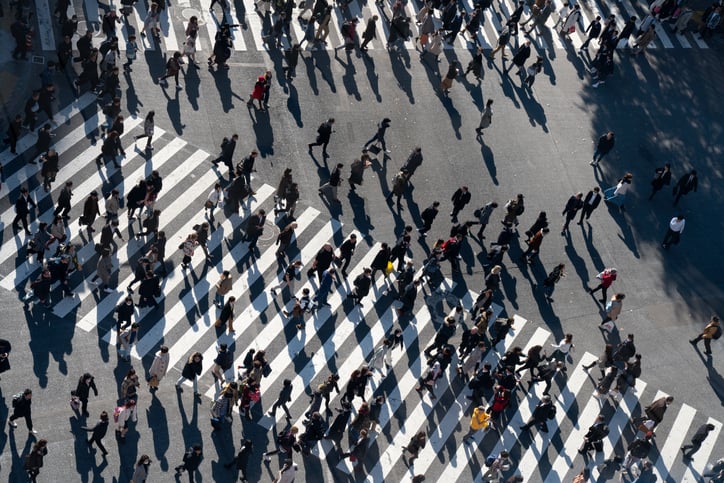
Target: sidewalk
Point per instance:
(17, 77)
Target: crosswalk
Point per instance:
(339, 338)
(249, 28)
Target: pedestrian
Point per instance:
(613, 310)
(617, 194)
(428, 216)
(131, 53)
(593, 439)
(701, 434)
(370, 32)
(257, 94)
(570, 22)
(686, 184)
(158, 368)
(497, 465)
(148, 125)
(534, 245)
(447, 81)
(539, 20)
(23, 205)
(607, 276)
(287, 472)
(357, 169)
(638, 450)
(227, 315)
(662, 176)
(682, 21)
(574, 204)
(241, 460)
(603, 147)
(223, 287)
(593, 31)
(98, 432)
(417, 443)
(413, 161)
(222, 363)
(22, 409)
(325, 288)
(534, 69)
(34, 459)
(459, 199)
(191, 461)
(656, 410)
(674, 231)
(228, 145)
(590, 203)
(188, 247)
(520, 58)
(329, 189)
(324, 133)
(503, 39)
(192, 369)
(379, 137)
(542, 412)
(486, 118)
(475, 65)
(479, 420)
(643, 40)
(140, 474)
(712, 331)
(549, 284)
(86, 383)
(434, 372)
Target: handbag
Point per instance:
(153, 382)
(571, 29)
(208, 204)
(389, 268)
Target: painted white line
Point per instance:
(670, 451)
(45, 25)
(167, 31)
(696, 467)
(181, 348)
(173, 279)
(619, 421)
(92, 15)
(147, 42)
(210, 23)
(682, 40)
(237, 37)
(168, 213)
(699, 40)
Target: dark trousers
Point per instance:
(427, 226)
(320, 143)
(64, 208)
(707, 343)
(585, 44)
(586, 211)
(22, 219)
(692, 448)
(347, 261)
(604, 290)
(379, 139)
(166, 76)
(456, 209)
(283, 405)
(99, 442)
(28, 420)
(481, 230)
(670, 237)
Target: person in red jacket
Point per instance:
(607, 277)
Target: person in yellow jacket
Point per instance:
(480, 420)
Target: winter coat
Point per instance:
(191, 370)
(159, 365)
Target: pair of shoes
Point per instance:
(179, 470)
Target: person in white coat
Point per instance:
(382, 357)
(472, 361)
(158, 367)
(571, 21)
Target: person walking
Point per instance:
(191, 370)
(346, 251)
(22, 408)
(613, 310)
(590, 203)
(459, 199)
(674, 231)
(574, 204)
(662, 176)
(643, 40)
(686, 184)
(241, 460)
(417, 443)
(23, 205)
(158, 368)
(593, 31)
(549, 284)
(370, 32)
(486, 118)
(413, 161)
(148, 127)
(447, 81)
(428, 215)
(222, 363)
(226, 317)
(519, 59)
(570, 22)
(285, 396)
(617, 194)
(98, 432)
(712, 331)
(603, 147)
(34, 459)
(228, 145)
(701, 434)
(140, 473)
(534, 245)
(191, 461)
(324, 133)
(329, 189)
(479, 420)
(607, 277)
(223, 287)
(86, 384)
(496, 465)
(593, 439)
(542, 412)
(379, 136)
(503, 39)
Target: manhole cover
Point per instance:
(38, 59)
(270, 231)
(187, 13)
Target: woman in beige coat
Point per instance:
(223, 286)
(158, 368)
(643, 40)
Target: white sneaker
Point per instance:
(108, 290)
(33, 431)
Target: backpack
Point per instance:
(490, 460)
(17, 398)
(717, 333)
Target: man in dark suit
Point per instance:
(574, 204)
(590, 203)
(22, 210)
(697, 440)
(662, 176)
(687, 183)
(227, 153)
(459, 199)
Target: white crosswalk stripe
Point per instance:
(337, 339)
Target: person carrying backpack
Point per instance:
(712, 330)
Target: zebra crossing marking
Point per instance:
(695, 466)
(168, 32)
(185, 343)
(670, 451)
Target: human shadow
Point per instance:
(323, 63)
(489, 159)
(173, 109)
(223, 86)
(293, 105)
(348, 79)
(263, 131)
(193, 82)
(372, 76)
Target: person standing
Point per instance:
(574, 204)
(98, 432)
(607, 277)
(324, 133)
(22, 404)
(486, 118)
(459, 199)
(379, 136)
(590, 203)
(191, 462)
(686, 184)
(191, 371)
(662, 176)
(158, 368)
(603, 147)
(712, 330)
(674, 231)
(86, 383)
(593, 30)
(701, 434)
(34, 459)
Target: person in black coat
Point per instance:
(593, 440)
(338, 427)
(520, 58)
(227, 152)
(22, 209)
(688, 450)
(255, 228)
(22, 409)
(574, 204)
(687, 183)
(191, 370)
(662, 177)
(604, 146)
(413, 161)
(285, 396)
(346, 250)
(98, 433)
(459, 199)
(362, 285)
(86, 383)
(191, 462)
(149, 290)
(442, 337)
(381, 259)
(14, 130)
(590, 203)
(241, 460)
(540, 415)
(322, 261)
(593, 30)
(324, 133)
(428, 216)
(408, 298)
(379, 136)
